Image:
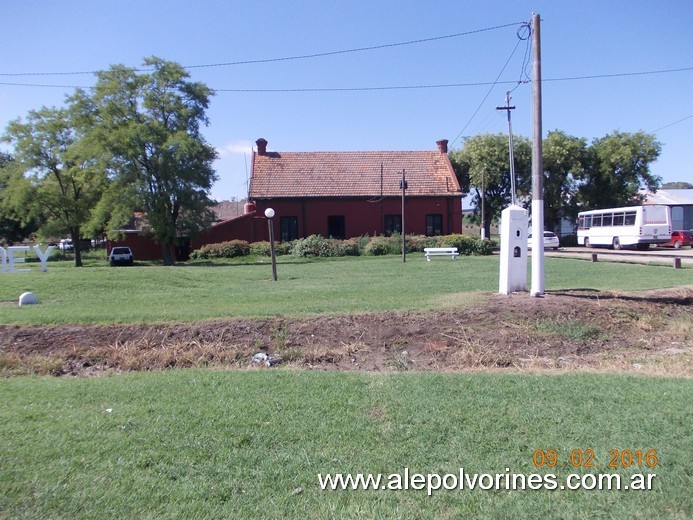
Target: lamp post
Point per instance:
(269, 213)
(403, 185)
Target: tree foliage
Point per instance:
(619, 166)
(66, 177)
(149, 123)
(485, 160)
(17, 221)
(564, 161)
(610, 172)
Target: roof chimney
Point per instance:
(261, 146)
(442, 145)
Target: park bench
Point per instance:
(440, 251)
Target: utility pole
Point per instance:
(537, 168)
(508, 108)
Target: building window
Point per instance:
(288, 227)
(393, 224)
(434, 225)
(335, 227)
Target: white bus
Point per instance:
(637, 226)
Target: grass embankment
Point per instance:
(208, 444)
(150, 293)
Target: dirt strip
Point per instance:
(648, 332)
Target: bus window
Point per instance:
(607, 219)
(630, 218)
(618, 219)
(596, 220)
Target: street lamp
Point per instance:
(269, 213)
(403, 186)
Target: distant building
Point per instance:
(680, 202)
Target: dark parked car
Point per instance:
(680, 239)
(121, 255)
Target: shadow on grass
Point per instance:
(684, 298)
(268, 262)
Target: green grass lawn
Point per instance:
(250, 444)
(150, 293)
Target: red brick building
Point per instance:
(347, 194)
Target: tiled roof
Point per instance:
(351, 174)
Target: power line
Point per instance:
(364, 89)
(393, 87)
(487, 93)
(620, 75)
(288, 58)
(358, 49)
(671, 124)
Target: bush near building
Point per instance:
(318, 246)
(231, 249)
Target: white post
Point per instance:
(537, 170)
(513, 250)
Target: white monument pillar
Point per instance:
(513, 250)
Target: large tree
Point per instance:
(564, 158)
(150, 123)
(66, 175)
(619, 166)
(483, 165)
(17, 220)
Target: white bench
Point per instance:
(440, 251)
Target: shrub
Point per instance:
(483, 247)
(231, 249)
(264, 249)
(349, 247)
(467, 245)
(283, 248)
(378, 246)
(417, 243)
(312, 246)
(260, 249)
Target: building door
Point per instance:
(288, 227)
(393, 224)
(434, 225)
(336, 227)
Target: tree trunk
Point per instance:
(76, 246)
(487, 227)
(167, 253)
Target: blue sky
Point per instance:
(579, 38)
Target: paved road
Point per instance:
(654, 254)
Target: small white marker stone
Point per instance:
(27, 298)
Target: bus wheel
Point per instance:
(616, 244)
(587, 242)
